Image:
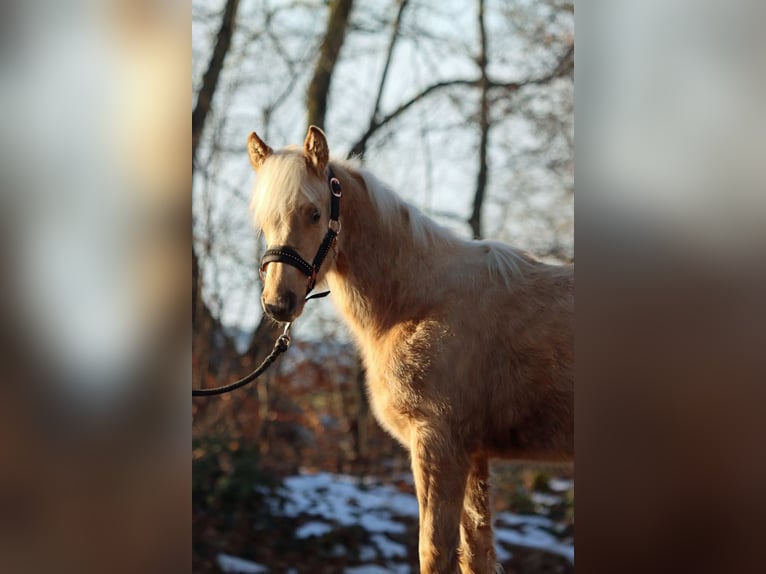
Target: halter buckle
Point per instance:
(334, 225)
(335, 187)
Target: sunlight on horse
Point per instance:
(468, 345)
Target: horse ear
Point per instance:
(316, 150)
(257, 150)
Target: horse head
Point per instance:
(291, 205)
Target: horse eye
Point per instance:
(315, 216)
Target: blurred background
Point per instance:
(466, 110)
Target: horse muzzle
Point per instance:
(283, 308)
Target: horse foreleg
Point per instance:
(477, 545)
(440, 479)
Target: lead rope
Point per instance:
(280, 346)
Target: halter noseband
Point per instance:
(286, 254)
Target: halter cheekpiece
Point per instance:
(286, 254)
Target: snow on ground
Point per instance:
(560, 484)
(339, 500)
(545, 499)
(313, 528)
(345, 501)
(387, 548)
(375, 569)
(238, 565)
(532, 532)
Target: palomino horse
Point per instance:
(468, 345)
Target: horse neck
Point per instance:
(378, 279)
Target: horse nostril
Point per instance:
(281, 309)
(272, 310)
(288, 301)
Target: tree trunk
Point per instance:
(319, 88)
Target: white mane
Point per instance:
(391, 208)
(503, 260)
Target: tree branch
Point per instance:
(563, 68)
(389, 53)
(481, 178)
(319, 88)
(361, 143)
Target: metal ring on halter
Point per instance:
(334, 224)
(335, 188)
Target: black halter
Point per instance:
(286, 254)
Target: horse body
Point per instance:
(468, 345)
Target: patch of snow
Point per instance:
(380, 523)
(367, 553)
(560, 484)
(366, 569)
(545, 499)
(375, 569)
(313, 528)
(388, 548)
(534, 537)
(341, 500)
(511, 519)
(236, 565)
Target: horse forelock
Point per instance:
(282, 184)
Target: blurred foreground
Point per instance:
(94, 244)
